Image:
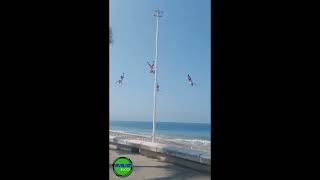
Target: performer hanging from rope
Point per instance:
(122, 76)
(190, 80)
(151, 66)
(121, 79)
(158, 87)
(119, 82)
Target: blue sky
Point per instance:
(184, 47)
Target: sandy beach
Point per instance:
(149, 168)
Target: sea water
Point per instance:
(193, 133)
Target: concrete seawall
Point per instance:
(189, 158)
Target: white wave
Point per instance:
(127, 133)
(117, 131)
(193, 141)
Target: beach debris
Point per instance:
(120, 80)
(190, 80)
(151, 66)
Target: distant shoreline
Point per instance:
(206, 123)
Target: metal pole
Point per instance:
(157, 14)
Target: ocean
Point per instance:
(191, 133)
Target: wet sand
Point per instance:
(149, 168)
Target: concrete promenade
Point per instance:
(151, 168)
(160, 161)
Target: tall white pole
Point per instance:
(157, 14)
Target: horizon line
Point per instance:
(162, 121)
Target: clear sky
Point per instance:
(184, 47)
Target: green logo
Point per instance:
(122, 166)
